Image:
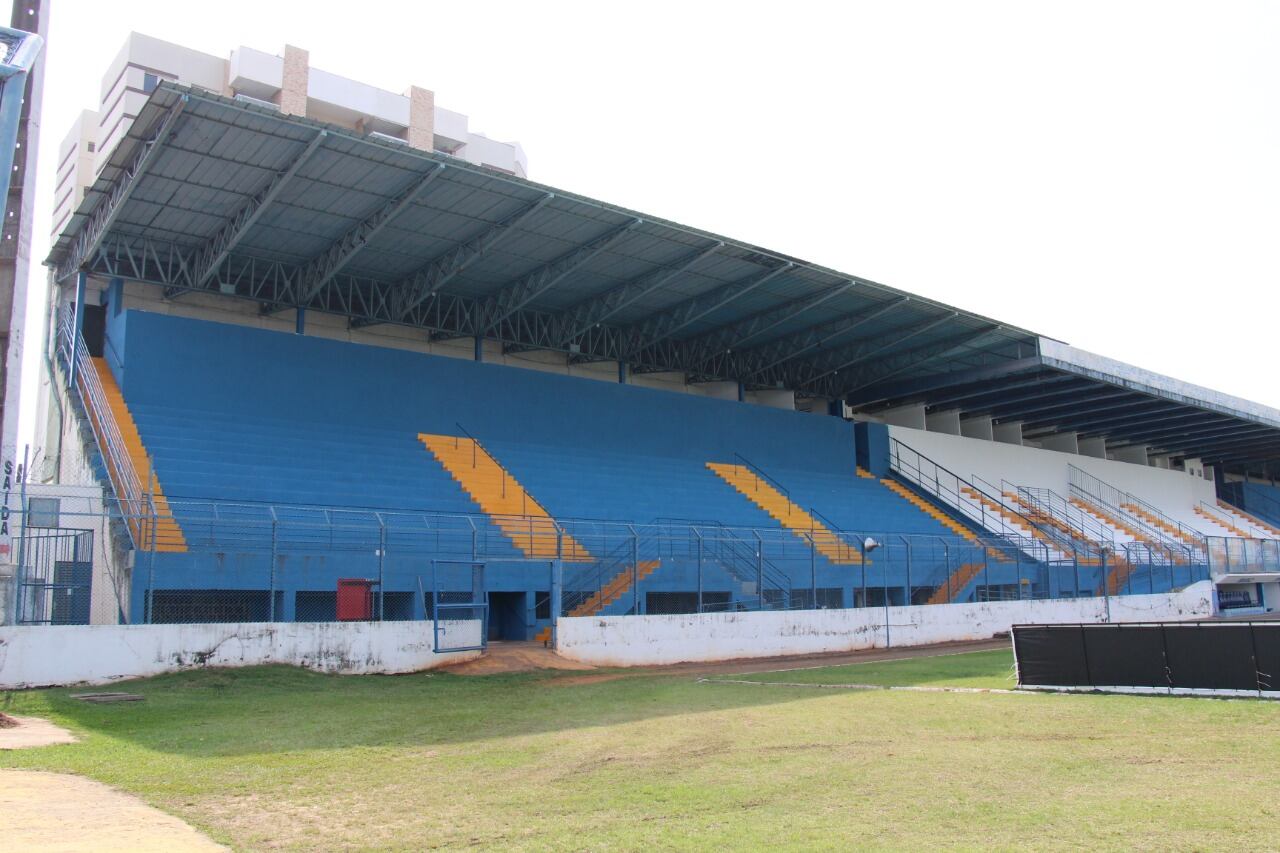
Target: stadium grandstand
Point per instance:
(304, 372)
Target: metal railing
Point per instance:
(1159, 528)
(955, 492)
(265, 562)
(1234, 556)
(136, 499)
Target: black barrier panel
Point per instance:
(1183, 655)
(1211, 656)
(1125, 655)
(1051, 655)
(1266, 649)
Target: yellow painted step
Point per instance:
(1222, 522)
(165, 534)
(955, 584)
(617, 587)
(1250, 518)
(864, 473)
(787, 513)
(515, 512)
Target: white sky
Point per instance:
(1103, 173)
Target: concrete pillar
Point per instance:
(1137, 454)
(1064, 442)
(1095, 447)
(948, 422)
(773, 399)
(293, 87)
(1007, 433)
(976, 426)
(422, 118)
(905, 416)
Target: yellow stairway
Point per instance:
(864, 473)
(1121, 569)
(521, 518)
(938, 515)
(1035, 513)
(617, 587)
(1249, 517)
(167, 535)
(955, 584)
(1158, 522)
(789, 514)
(1223, 522)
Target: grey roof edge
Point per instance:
(170, 92)
(1083, 363)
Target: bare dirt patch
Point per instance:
(58, 811)
(7, 722)
(515, 657)
(29, 732)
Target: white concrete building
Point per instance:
(286, 82)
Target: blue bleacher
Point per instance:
(245, 415)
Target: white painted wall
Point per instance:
(651, 640)
(1174, 492)
(40, 656)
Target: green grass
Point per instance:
(274, 757)
(972, 669)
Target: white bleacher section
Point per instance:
(1175, 493)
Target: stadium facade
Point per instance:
(308, 372)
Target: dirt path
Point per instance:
(527, 657)
(31, 732)
(58, 811)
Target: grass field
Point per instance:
(275, 757)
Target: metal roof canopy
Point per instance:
(208, 194)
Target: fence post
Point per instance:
(759, 572)
(862, 553)
(271, 572)
(635, 572)
(946, 567)
(906, 599)
(382, 556)
(699, 535)
(557, 598)
(1106, 587)
(813, 572)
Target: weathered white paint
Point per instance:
(1176, 493)
(650, 640)
(41, 656)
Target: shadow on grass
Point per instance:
(278, 709)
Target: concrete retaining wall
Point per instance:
(42, 656)
(649, 640)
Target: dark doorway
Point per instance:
(507, 616)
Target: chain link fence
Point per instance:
(204, 561)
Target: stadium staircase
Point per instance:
(507, 503)
(139, 514)
(786, 512)
(957, 582)
(1248, 518)
(164, 536)
(1221, 520)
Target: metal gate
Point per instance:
(459, 606)
(55, 576)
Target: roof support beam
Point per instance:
(665, 324)
(89, 239)
(321, 270)
(1198, 434)
(1080, 406)
(776, 353)
(442, 269)
(971, 396)
(725, 339)
(591, 312)
(520, 293)
(896, 363)
(848, 357)
(220, 246)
